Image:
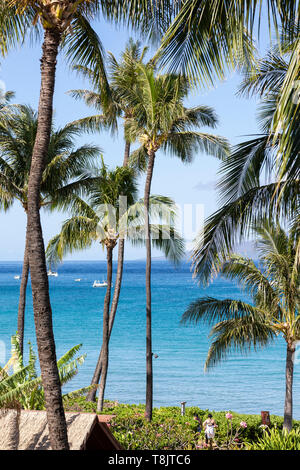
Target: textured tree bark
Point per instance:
(289, 373)
(126, 154)
(105, 339)
(149, 358)
(118, 283)
(91, 396)
(36, 250)
(22, 299)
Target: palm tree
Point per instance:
(161, 121)
(65, 22)
(106, 220)
(274, 287)
(122, 75)
(64, 173)
(252, 185)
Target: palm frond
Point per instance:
(242, 169)
(235, 220)
(163, 237)
(77, 233)
(209, 310)
(287, 117)
(240, 335)
(185, 144)
(246, 272)
(84, 47)
(267, 76)
(150, 18)
(138, 159)
(14, 27)
(208, 38)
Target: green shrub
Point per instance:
(169, 430)
(277, 439)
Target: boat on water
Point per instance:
(77, 280)
(17, 277)
(50, 273)
(100, 284)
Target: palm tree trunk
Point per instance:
(91, 396)
(118, 283)
(105, 340)
(149, 368)
(126, 154)
(22, 298)
(289, 372)
(36, 250)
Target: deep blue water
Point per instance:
(248, 383)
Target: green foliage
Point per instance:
(80, 404)
(103, 218)
(169, 430)
(261, 177)
(161, 121)
(277, 440)
(274, 287)
(66, 165)
(23, 387)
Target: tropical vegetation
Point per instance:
(275, 308)
(122, 75)
(160, 121)
(64, 173)
(253, 183)
(169, 430)
(64, 23)
(197, 43)
(114, 213)
(152, 107)
(23, 388)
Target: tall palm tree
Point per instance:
(64, 173)
(63, 23)
(252, 185)
(105, 219)
(274, 287)
(161, 121)
(122, 75)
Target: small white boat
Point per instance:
(17, 277)
(77, 280)
(50, 273)
(100, 284)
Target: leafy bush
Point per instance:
(80, 404)
(171, 431)
(277, 439)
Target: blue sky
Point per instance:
(187, 184)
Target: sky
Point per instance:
(192, 186)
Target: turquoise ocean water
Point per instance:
(248, 383)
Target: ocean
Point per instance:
(247, 383)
